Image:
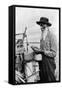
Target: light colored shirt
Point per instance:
(49, 44)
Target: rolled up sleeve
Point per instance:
(53, 47)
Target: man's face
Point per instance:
(43, 27)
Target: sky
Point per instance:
(27, 17)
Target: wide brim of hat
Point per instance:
(40, 23)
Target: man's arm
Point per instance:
(50, 53)
(53, 47)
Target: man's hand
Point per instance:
(37, 50)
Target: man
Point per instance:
(48, 50)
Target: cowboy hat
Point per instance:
(44, 20)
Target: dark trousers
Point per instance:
(45, 74)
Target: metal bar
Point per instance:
(19, 34)
(31, 75)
